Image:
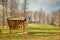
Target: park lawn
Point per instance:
(42, 28)
(35, 28)
(29, 37)
(35, 32)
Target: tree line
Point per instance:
(11, 9)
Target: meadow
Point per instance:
(34, 32)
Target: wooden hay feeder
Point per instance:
(16, 23)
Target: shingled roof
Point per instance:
(20, 18)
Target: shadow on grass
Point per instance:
(43, 28)
(44, 33)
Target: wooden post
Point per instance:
(24, 27)
(10, 30)
(21, 25)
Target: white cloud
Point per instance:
(45, 4)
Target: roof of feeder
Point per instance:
(20, 18)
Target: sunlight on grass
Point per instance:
(35, 32)
(41, 26)
(34, 28)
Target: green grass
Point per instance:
(28, 37)
(42, 28)
(36, 28)
(35, 32)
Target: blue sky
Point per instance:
(46, 5)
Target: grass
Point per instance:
(36, 28)
(29, 37)
(35, 32)
(42, 28)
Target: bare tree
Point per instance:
(14, 8)
(54, 18)
(41, 14)
(58, 14)
(24, 7)
(29, 16)
(4, 4)
(36, 16)
(43, 17)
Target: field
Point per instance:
(34, 32)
